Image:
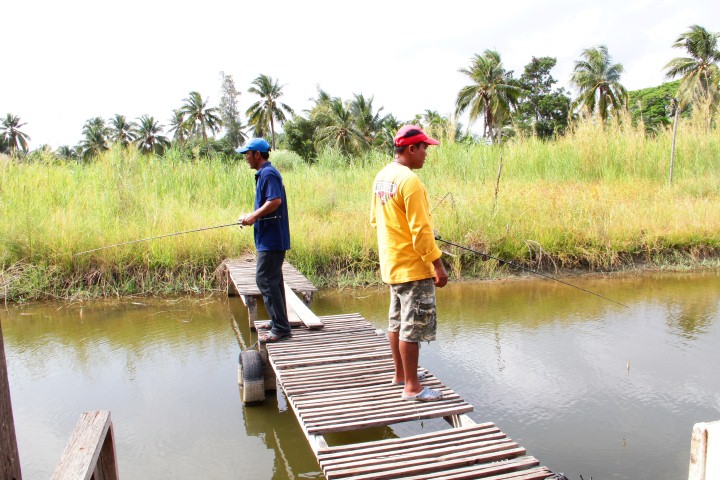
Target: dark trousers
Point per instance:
(269, 278)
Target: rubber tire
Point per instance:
(250, 378)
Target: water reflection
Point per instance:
(585, 385)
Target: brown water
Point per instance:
(588, 387)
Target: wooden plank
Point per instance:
(380, 446)
(90, 452)
(420, 456)
(413, 467)
(381, 422)
(309, 319)
(504, 469)
(440, 447)
(241, 273)
(705, 451)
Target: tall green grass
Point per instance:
(597, 199)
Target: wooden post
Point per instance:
(250, 302)
(9, 457)
(705, 452)
(676, 104)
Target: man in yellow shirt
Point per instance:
(409, 257)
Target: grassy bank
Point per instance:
(597, 199)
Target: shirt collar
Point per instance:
(257, 173)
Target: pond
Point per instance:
(587, 386)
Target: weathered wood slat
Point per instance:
(90, 452)
(307, 317)
(405, 459)
(413, 467)
(242, 274)
(390, 444)
(501, 470)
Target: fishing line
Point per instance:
(173, 234)
(550, 277)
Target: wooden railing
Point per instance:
(90, 452)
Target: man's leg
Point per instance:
(394, 338)
(269, 280)
(418, 323)
(410, 352)
(394, 335)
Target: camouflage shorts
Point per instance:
(412, 310)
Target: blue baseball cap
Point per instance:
(256, 145)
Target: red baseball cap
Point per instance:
(412, 134)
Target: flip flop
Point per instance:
(271, 337)
(421, 376)
(264, 325)
(427, 394)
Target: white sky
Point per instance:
(67, 61)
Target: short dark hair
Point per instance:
(265, 155)
(399, 150)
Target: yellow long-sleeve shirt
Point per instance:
(400, 212)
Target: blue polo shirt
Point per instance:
(273, 234)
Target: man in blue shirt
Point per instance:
(272, 236)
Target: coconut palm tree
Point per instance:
(700, 72)
(179, 127)
(199, 117)
(263, 114)
(95, 140)
(341, 133)
(491, 95)
(148, 136)
(121, 131)
(598, 82)
(11, 137)
(97, 124)
(368, 122)
(66, 153)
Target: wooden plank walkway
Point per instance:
(339, 379)
(337, 376)
(240, 278)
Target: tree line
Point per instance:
(530, 104)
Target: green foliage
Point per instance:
(653, 106)
(700, 83)
(121, 131)
(491, 95)
(299, 137)
(541, 111)
(95, 138)
(12, 138)
(350, 128)
(598, 82)
(263, 114)
(198, 117)
(229, 112)
(148, 136)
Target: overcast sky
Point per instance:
(67, 61)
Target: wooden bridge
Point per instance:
(336, 372)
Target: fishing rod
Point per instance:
(550, 277)
(239, 222)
